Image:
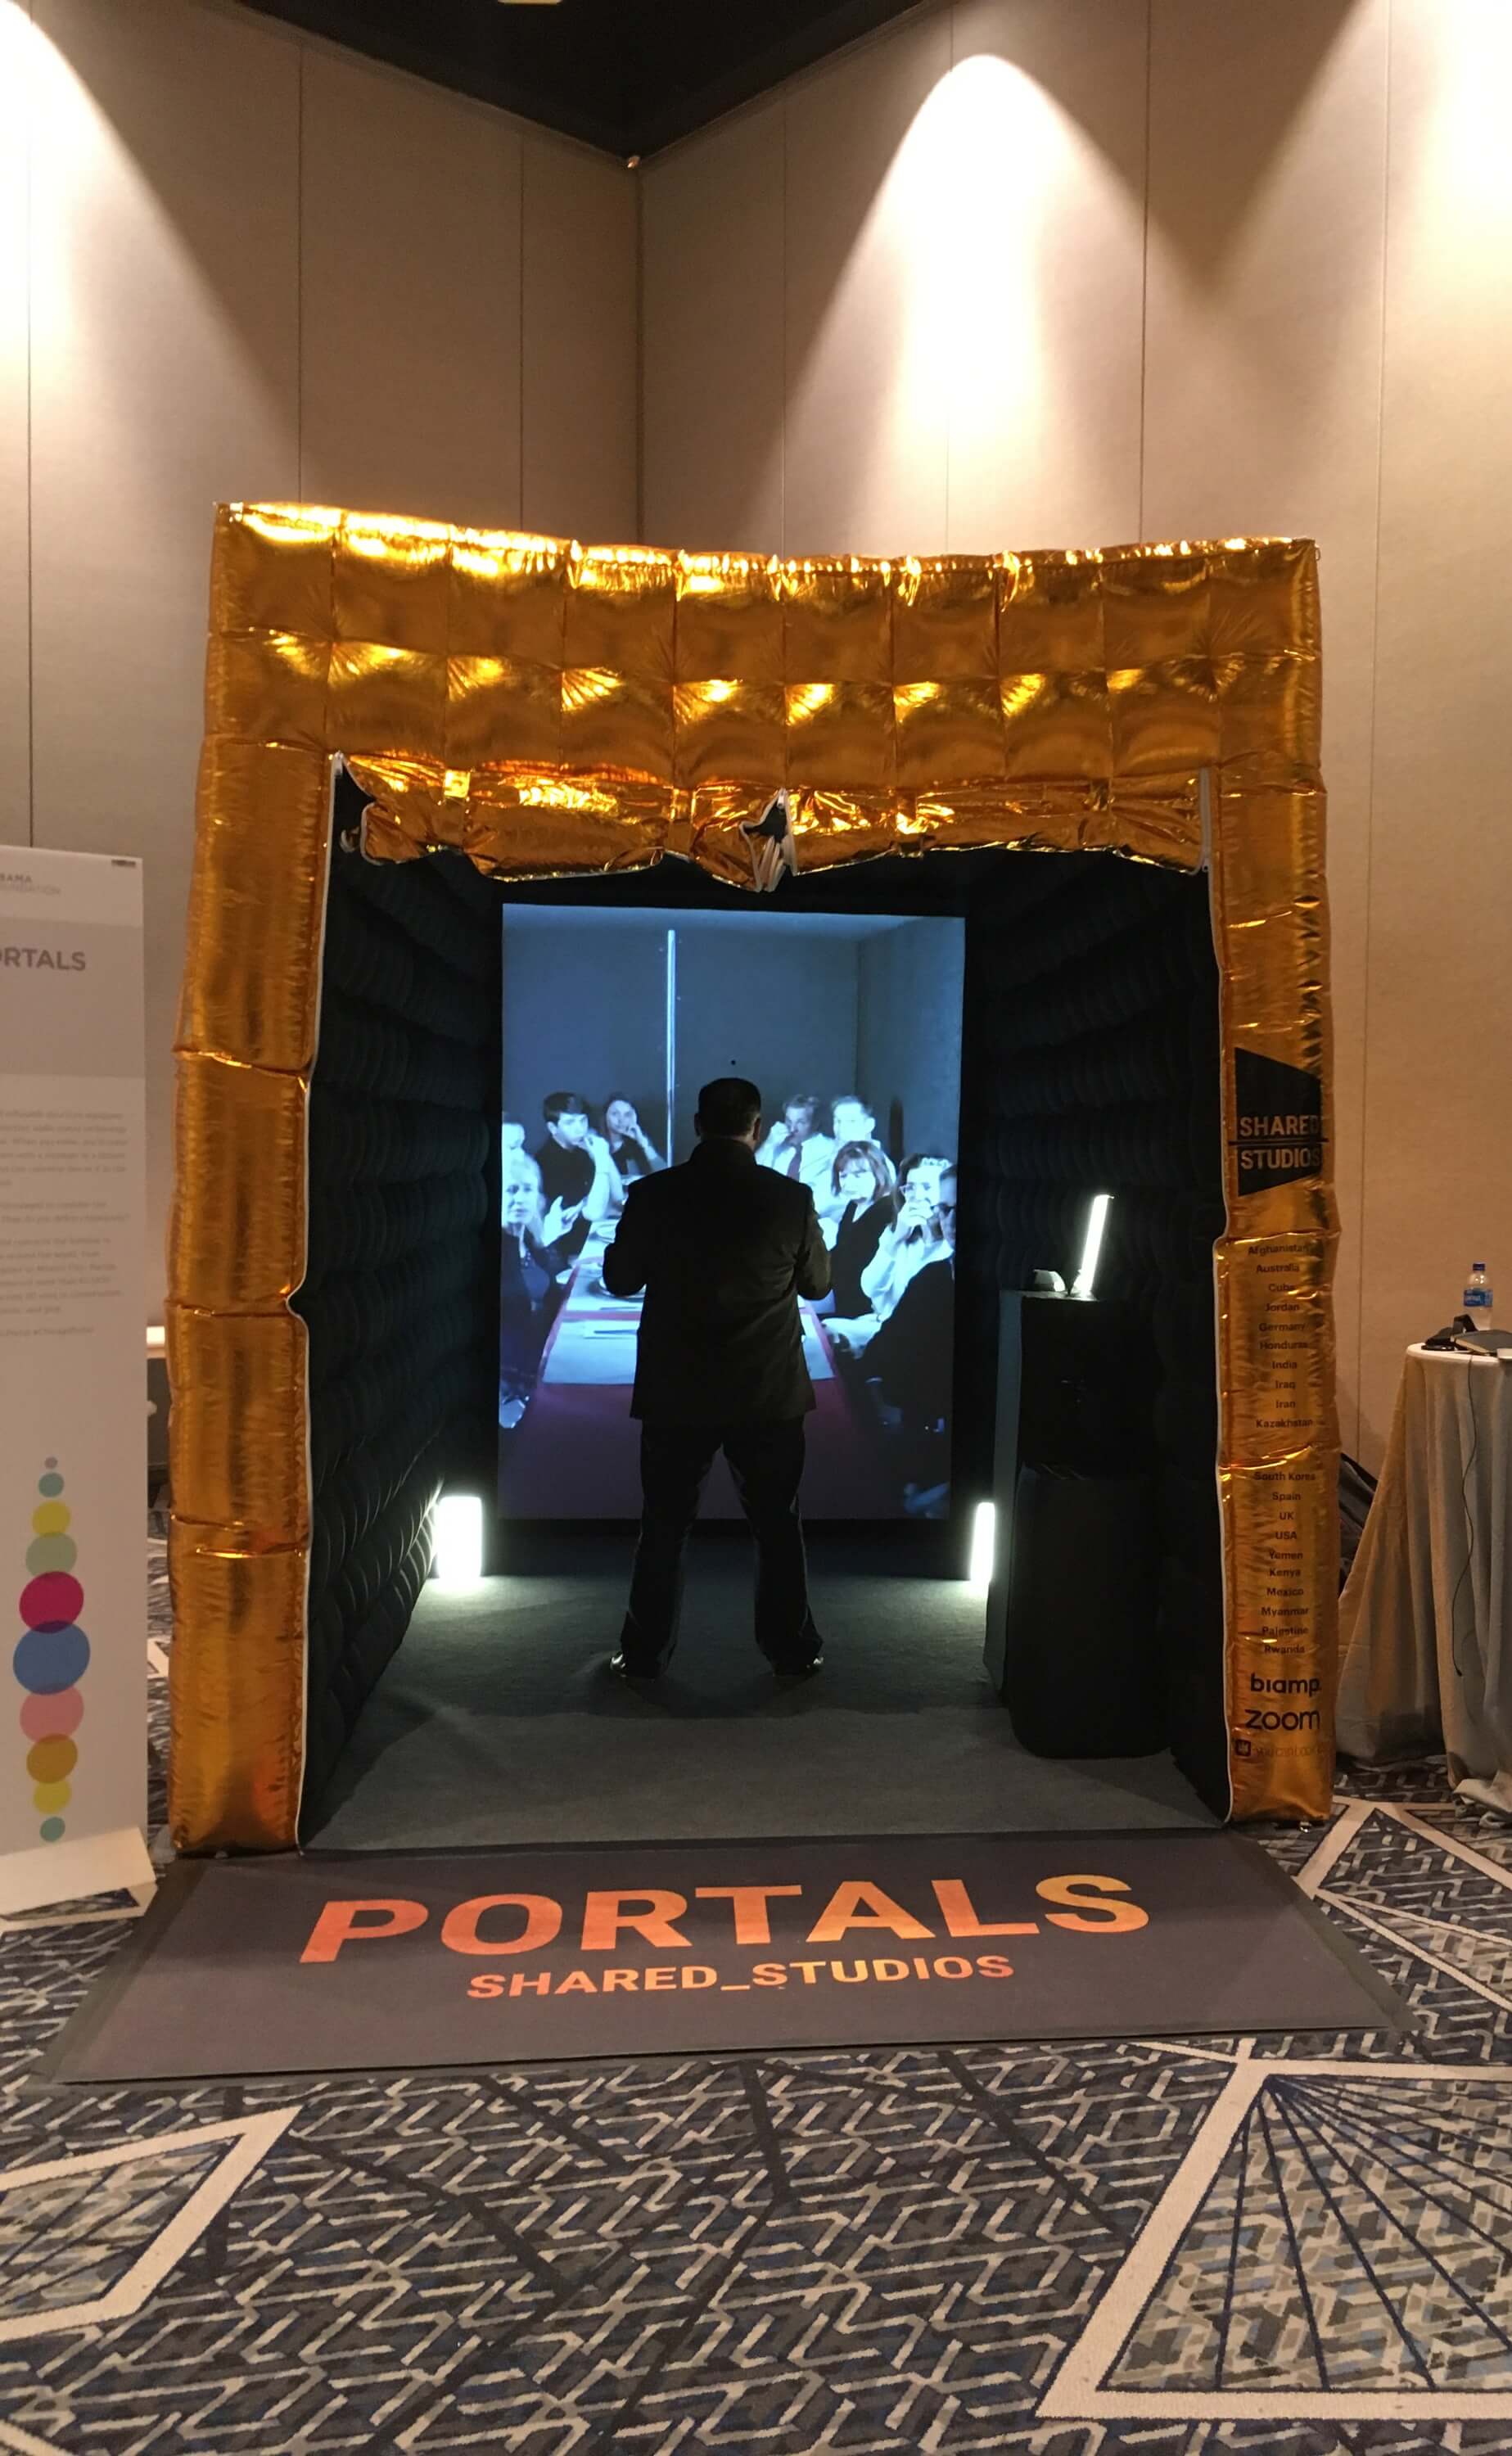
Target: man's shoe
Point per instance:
(801, 1670)
(623, 1670)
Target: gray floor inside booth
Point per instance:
(498, 1722)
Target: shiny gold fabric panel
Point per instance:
(247, 1028)
(550, 709)
(914, 690)
(1279, 1434)
(238, 1382)
(235, 1711)
(254, 901)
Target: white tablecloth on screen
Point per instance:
(1425, 1622)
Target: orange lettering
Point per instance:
(698, 1974)
(605, 1914)
(618, 1982)
(752, 1918)
(520, 1985)
(488, 1982)
(769, 1973)
(994, 1966)
(952, 1965)
(659, 1980)
(577, 1982)
(542, 1923)
(843, 1911)
(338, 1925)
(889, 1969)
(1101, 1918)
(960, 1913)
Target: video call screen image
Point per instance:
(852, 1026)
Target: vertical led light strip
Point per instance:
(671, 1047)
(51, 1655)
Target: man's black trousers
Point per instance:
(767, 1462)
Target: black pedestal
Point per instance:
(1072, 1613)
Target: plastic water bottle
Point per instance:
(1478, 1297)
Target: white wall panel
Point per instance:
(164, 335)
(713, 340)
(15, 709)
(1438, 1095)
(1041, 145)
(580, 403)
(868, 312)
(1267, 196)
(409, 310)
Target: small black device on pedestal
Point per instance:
(1072, 1612)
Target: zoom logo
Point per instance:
(1291, 1718)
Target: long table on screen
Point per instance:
(576, 1453)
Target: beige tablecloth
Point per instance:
(1425, 1622)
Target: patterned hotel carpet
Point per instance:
(1304, 2246)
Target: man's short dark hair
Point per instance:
(728, 1106)
(562, 1104)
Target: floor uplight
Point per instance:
(983, 1547)
(459, 1554)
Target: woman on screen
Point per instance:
(916, 1237)
(529, 1294)
(630, 1147)
(909, 1367)
(865, 1209)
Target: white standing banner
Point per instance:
(72, 1379)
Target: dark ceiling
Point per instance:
(629, 76)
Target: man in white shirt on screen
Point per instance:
(795, 1148)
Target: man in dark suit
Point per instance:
(723, 1250)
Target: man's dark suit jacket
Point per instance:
(722, 1249)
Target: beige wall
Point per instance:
(235, 264)
(1058, 272)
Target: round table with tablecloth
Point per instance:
(1425, 1621)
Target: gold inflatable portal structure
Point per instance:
(545, 708)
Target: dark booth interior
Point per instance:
(1089, 1064)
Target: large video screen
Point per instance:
(851, 1024)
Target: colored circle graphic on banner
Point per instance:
(52, 1759)
(50, 1552)
(51, 1716)
(52, 1601)
(51, 1655)
(50, 1659)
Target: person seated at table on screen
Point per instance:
(529, 1294)
(860, 1184)
(916, 1237)
(630, 1147)
(580, 1182)
(795, 1146)
(910, 1364)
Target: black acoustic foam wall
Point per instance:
(400, 1293)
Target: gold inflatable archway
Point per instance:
(547, 708)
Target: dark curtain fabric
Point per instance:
(402, 1291)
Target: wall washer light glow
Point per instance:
(983, 1547)
(459, 1554)
(1096, 1222)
